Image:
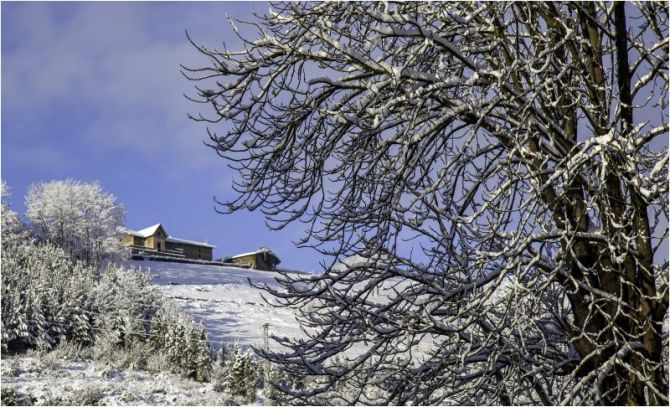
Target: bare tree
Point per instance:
(502, 166)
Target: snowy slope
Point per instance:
(95, 383)
(222, 298)
(231, 309)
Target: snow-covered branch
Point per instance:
(502, 172)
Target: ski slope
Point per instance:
(221, 297)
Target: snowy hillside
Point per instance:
(50, 381)
(222, 298)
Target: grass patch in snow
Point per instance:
(11, 397)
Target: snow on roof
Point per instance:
(131, 232)
(151, 230)
(193, 242)
(260, 250)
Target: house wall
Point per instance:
(157, 241)
(256, 260)
(130, 240)
(249, 260)
(191, 251)
(126, 240)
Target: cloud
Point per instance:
(93, 91)
(114, 69)
(38, 157)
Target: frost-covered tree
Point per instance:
(125, 304)
(240, 380)
(182, 341)
(46, 298)
(11, 227)
(501, 169)
(271, 382)
(80, 217)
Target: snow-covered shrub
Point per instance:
(10, 368)
(134, 354)
(158, 362)
(12, 228)
(240, 380)
(11, 397)
(273, 380)
(89, 396)
(182, 341)
(106, 345)
(79, 217)
(66, 350)
(45, 296)
(219, 369)
(125, 303)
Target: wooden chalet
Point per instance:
(154, 240)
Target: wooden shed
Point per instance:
(261, 259)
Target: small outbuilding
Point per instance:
(261, 259)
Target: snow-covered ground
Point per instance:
(36, 381)
(222, 298)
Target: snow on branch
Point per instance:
(502, 169)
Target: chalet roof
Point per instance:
(260, 250)
(146, 232)
(151, 230)
(193, 242)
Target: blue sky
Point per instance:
(92, 91)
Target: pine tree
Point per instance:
(198, 353)
(241, 377)
(182, 341)
(221, 355)
(272, 377)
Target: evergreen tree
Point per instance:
(221, 355)
(241, 377)
(273, 380)
(182, 341)
(40, 290)
(198, 351)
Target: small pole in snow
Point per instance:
(266, 343)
